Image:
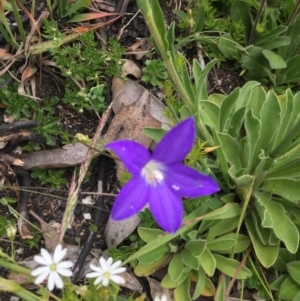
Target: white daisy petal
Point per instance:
(40, 270)
(117, 279)
(51, 282)
(96, 269)
(116, 264)
(40, 260)
(118, 271)
(46, 256)
(64, 272)
(92, 275)
(109, 262)
(41, 277)
(57, 257)
(103, 263)
(105, 281)
(64, 265)
(57, 251)
(98, 280)
(58, 281)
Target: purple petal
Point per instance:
(177, 143)
(166, 207)
(134, 155)
(188, 182)
(131, 199)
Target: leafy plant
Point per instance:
(154, 72)
(256, 135)
(52, 177)
(85, 68)
(17, 105)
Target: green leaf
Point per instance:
(207, 262)
(144, 270)
(227, 211)
(294, 270)
(283, 227)
(293, 32)
(284, 256)
(227, 46)
(240, 11)
(231, 150)
(227, 109)
(182, 292)
(198, 276)
(269, 37)
(175, 268)
(268, 126)
(209, 113)
(196, 247)
(221, 243)
(276, 285)
(248, 97)
(236, 122)
(289, 289)
(79, 4)
(155, 254)
(154, 133)
(252, 126)
(275, 61)
(229, 267)
(257, 65)
(242, 243)
(189, 260)
(285, 187)
(222, 227)
(291, 72)
(200, 78)
(266, 254)
(167, 282)
(148, 234)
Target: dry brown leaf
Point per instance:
(157, 290)
(130, 67)
(26, 75)
(51, 237)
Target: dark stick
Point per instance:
(16, 126)
(258, 16)
(98, 215)
(293, 13)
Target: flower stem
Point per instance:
(12, 287)
(147, 11)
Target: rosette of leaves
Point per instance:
(258, 134)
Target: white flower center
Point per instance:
(153, 172)
(53, 267)
(106, 275)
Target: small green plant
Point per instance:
(154, 72)
(17, 105)
(85, 67)
(52, 177)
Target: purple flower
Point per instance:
(160, 179)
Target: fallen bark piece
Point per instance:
(69, 155)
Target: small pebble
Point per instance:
(87, 216)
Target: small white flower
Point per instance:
(107, 271)
(163, 298)
(53, 267)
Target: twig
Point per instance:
(74, 189)
(97, 219)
